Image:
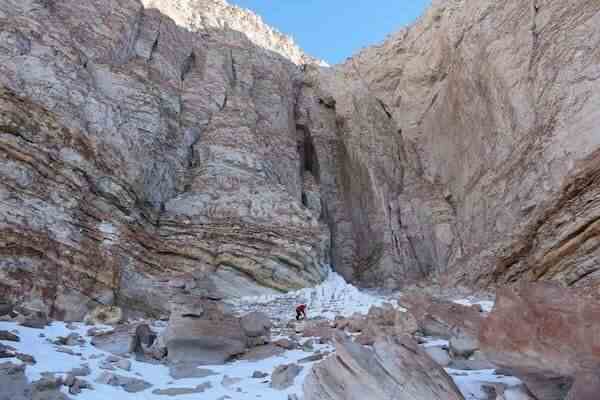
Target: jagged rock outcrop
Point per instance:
(497, 102)
(202, 14)
(396, 368)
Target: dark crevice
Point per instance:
(188, 65)
(385, 108)
(155, 44)
(222, 106)
(535, 36)
(234, 76)
(309, 161)
(304, 200)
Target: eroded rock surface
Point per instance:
(547, 336)
(143, 155)
(497, 102)
(396, 368)
(158, 152)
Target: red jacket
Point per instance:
(301, 308)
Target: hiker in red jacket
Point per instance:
(301, 312)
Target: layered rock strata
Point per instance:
(134, 149)
(143, 156)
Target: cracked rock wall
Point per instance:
(139, 159)
(143, 157)
(499, 101)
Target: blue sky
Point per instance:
(335, 29)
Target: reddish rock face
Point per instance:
(443, 318)
(545, 334)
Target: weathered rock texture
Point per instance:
(396, 368)
(142, 156)
(133, 149)
(547, 336)
(202, 14)
(498, 106)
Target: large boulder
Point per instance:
(200, 332)
(32, 318)
(104, 315)
(546, 335)
(284, 375)
(15, 386)
(442, 318)
(387, 320)
(117, 341)
(257, 327)
(395, 369)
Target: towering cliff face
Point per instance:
(146, 154)
(499, 101)
(135, 152)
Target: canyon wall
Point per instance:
(149, 149)
(139, 158)
(499, 103)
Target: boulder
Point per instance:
(395, 368)
(286, 344)
(259, 353)
(229, 381)
(15, 386)
(284, 375)
(519, 393)
(186, 371)
(442, 318)
(463, 345)
(318, 329)
(385, 321)
(256, 324)
(9, 336)
(200, 332)
(104, 315)
(586, 386)
(117, 341)
(142, 341)
(182, 391)
(259, 375)
(6, 308)
(439, 355)
(257, 328)
(545, 335)
(36, 319)
(12, 381)
(72, 339)
(129, 384)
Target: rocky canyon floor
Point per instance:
(176, 177)
(65, 353)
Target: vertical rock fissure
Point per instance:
(155, 43)
(188, 65)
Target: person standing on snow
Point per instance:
(301, 312)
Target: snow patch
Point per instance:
(333, 297)
(486, 305)
(471, 383)
(49, 360)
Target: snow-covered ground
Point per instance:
(471, 383)
(334, 297)
(49, 360)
